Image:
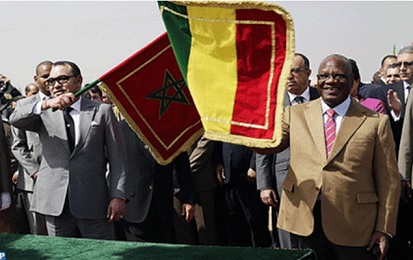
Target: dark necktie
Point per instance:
(70, 127)
(299, 99)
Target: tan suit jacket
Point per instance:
(359, 181)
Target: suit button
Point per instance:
(150, 187)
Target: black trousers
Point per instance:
(326, 250)
(246, 217)
(158, 226)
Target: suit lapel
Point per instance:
(87, 114)
(287, 101)
(315, 123)
(351, 122)
(56, 126)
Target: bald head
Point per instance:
(42, 74)
(334, 79)
(31, 89)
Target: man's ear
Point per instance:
(79, 79)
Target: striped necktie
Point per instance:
(299, 99)
(330, 130)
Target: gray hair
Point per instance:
(406, 49)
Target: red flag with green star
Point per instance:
(150, 92)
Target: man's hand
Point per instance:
(188, 211)
(34, 176)
(394, 102)
(60, 102)
(382, 240)
(269, 197)
(220, 171)
(15, 177)
(251, 175)
(116, 209)
(406, 191)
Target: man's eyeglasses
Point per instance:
(297, 70)
(399, 64)
(337, 77)
(61, 80)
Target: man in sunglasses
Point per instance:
(72, 188)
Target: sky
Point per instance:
(98, 35)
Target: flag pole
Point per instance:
(83, 90)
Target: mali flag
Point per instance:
(235, 58)
(150, 92)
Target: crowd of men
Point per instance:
(339, 182)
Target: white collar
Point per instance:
(305, 95)
(341, 109)
(76, 105)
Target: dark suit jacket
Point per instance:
(8, 216)
(151, 182)
(236, 160)
(272, 168)
(5, 175)
(81, 175)
(364, 89)
(381, 93)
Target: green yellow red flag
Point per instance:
(149, 90)
(235, 58)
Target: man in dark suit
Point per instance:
(27, 149)
(272, 169)
(149, 212)
(342, 187)
(72, 189)
(395, 97)
(7, 217)
(245, 217)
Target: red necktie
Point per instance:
(330, 130)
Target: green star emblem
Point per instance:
(167, 96)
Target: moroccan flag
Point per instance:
(150, 92)
(235, 57)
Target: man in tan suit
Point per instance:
(340, 194)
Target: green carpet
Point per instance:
(43, 247)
